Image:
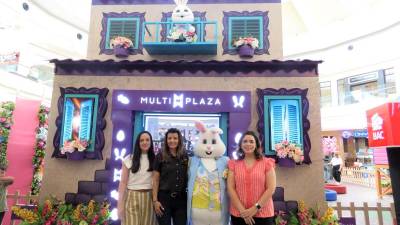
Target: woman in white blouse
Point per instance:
(135, 206)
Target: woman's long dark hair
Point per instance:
(180, 151)
(137, 152)
(257, 152)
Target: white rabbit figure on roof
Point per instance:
(182, 30)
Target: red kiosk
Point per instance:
(384, 131)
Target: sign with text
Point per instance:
(383, 125)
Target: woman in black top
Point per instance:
(170, 180)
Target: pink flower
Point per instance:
(2, 119)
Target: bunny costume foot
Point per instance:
(207, 195)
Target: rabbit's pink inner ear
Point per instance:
(200, 126)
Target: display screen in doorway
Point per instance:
(158, 124)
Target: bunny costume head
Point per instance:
(182, 13)
(209, 144)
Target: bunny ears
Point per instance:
(181, 2)
(200, 126)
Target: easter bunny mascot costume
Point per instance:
(207, 195)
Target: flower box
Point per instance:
(121, 46)
(120, 51)
(76, 155)
(246, 46)
(286, 162)
(246, 51)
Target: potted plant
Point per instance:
(246, 46)
(121, 46)
(288, 154)
(74, 149)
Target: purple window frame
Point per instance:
(225, 31)
(305, 107)
(103, 34)
(100, 122)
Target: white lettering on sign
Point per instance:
(377, 125)
(376, 122)
(179, 100)
(377, 135)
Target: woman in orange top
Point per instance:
(251, 183)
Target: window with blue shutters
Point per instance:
(283, 121)
(67, 125)
(126, 27)
(86, 117)
(245, 27)
(245, 24)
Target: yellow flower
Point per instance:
(225, 174)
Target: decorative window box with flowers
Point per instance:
(246, 46)
(75, 149)
(122, 46)
(288, 154)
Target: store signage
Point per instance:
(346, 134)
(360, 133)
(9, 59)
(180, 100)
(383, 125)
(195, 101)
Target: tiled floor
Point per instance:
(358, 195)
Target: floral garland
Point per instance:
(55, 212)
(6, 111)
(40, 148)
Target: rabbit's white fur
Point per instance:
(182, 12)
(209, 146)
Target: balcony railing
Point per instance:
(155, 38)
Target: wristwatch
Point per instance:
(258, 206)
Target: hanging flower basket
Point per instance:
(120, 51)
(246, 51)
(76, 155)
(286, 162)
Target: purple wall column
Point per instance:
(121, 146)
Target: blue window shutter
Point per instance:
(68, 116)
(293, 121)
(277, 121)
(245, 27)
(126, 27)
(86, 117)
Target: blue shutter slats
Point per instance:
(285, 121)
(245, 27)
(293, 122)
(86, 117)
(277, 122)
(126, 27)
(68, 116)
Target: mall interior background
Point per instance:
(355, 39)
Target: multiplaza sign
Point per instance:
(180, 100)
